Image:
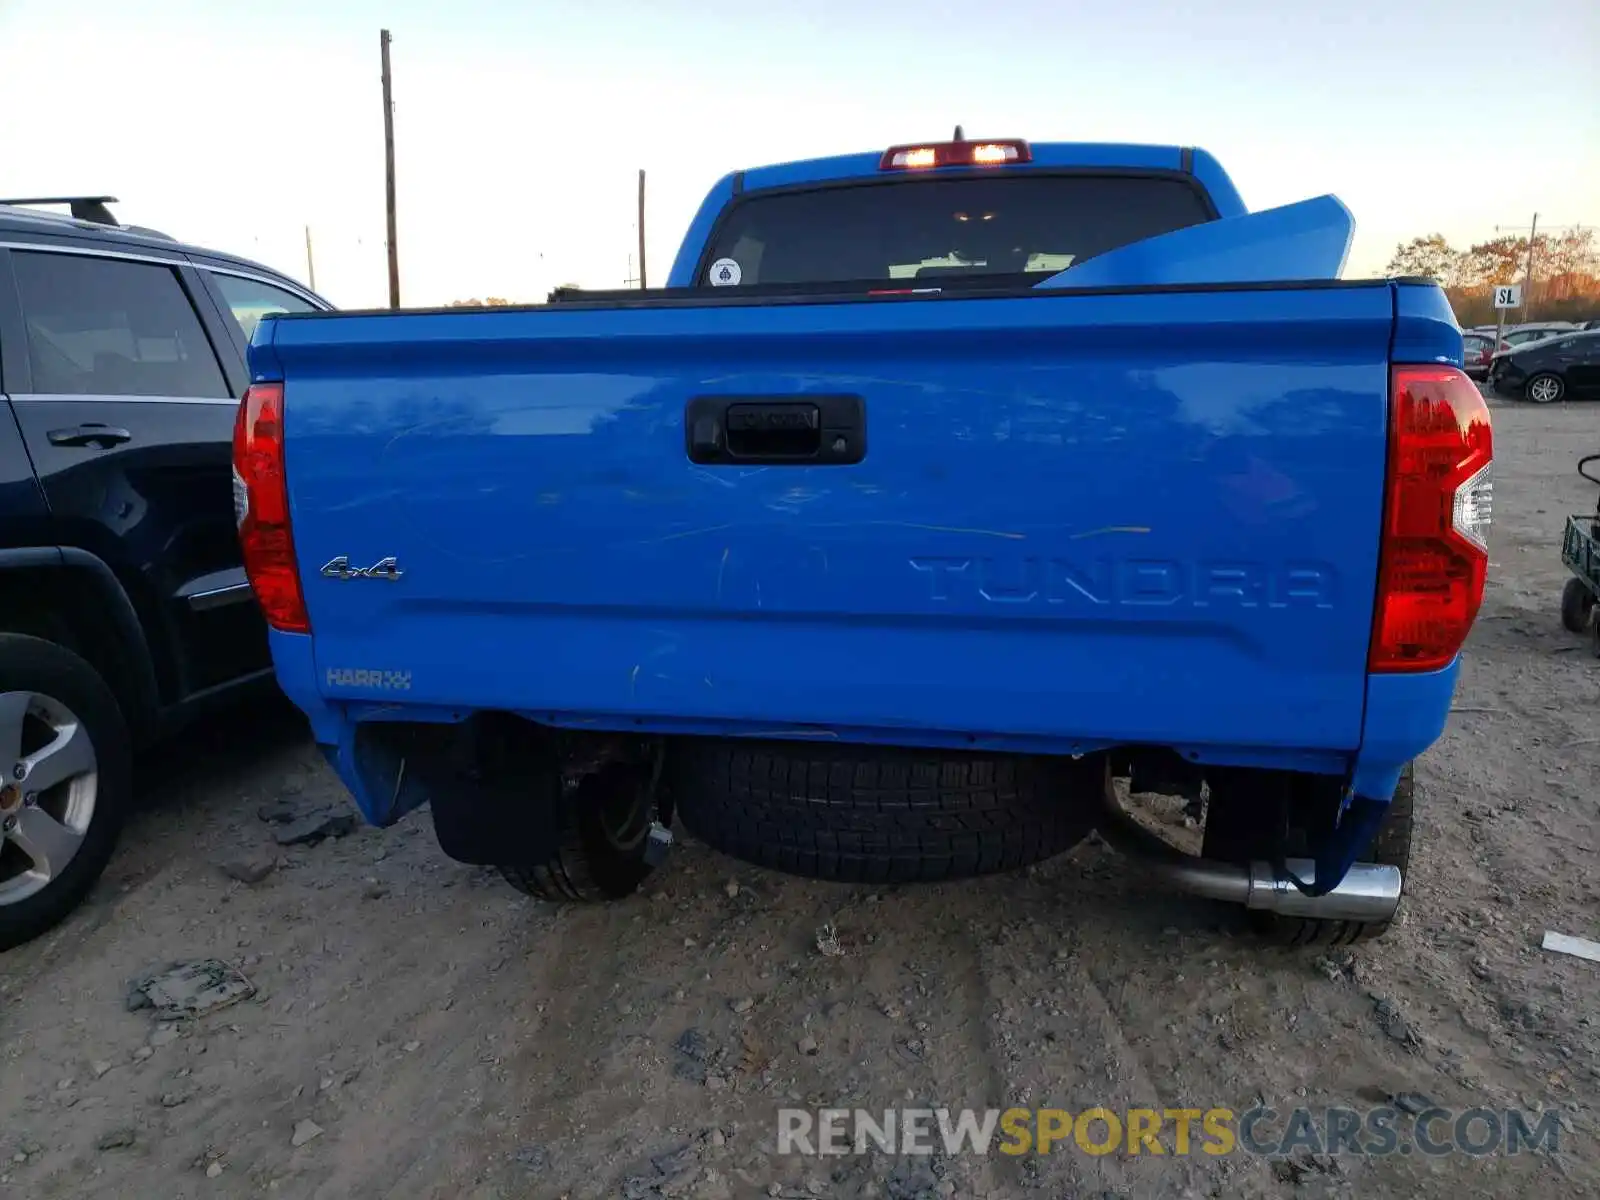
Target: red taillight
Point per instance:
(261, 508)
(1437, 500)
(926, 155)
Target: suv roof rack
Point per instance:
(82, 208)
(91, 209)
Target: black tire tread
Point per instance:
(1390, 847)
(584, 869)
(565, 878)
(38, 665)
(1576, 604)
(875, 815)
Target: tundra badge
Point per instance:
(340, 568)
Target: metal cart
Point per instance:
(1580, 551)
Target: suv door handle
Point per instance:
(101, 437)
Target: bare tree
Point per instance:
(1501, 260)
(1568, 264)
(1429, 256)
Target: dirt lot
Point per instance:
(450, 1038)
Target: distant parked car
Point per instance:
(1550, 369)
(1523, 334)
(1476, 351)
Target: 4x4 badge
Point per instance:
(340, 568)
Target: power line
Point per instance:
(1533, 240)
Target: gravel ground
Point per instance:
(446, 1037)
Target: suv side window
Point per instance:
(250, 299)
(112, 327)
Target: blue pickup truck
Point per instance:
(945, 496)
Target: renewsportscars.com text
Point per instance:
(1158, 1131)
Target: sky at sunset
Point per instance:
(520, 126)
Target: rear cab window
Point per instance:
(1019, 227)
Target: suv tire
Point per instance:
(50, 697)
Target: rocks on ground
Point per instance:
(187, 989)
(301, 822)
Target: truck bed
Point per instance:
(1081, 518)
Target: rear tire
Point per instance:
(1545, 388)
(1577, 606)
(49, 696)
(867, 814)
(605, 841)
(1240, 828)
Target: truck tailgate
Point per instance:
(1086, 517)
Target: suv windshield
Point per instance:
(1026, 226)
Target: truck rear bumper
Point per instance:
(1405, 714)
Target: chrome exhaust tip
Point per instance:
(1368, 892)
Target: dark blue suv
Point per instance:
(124, 608)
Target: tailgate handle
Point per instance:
(776, 431)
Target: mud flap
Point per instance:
(494, 791)
(498, 797)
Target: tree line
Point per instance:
(1566, 274)
(500, 302)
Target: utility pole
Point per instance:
(642, 283)
(388, 170)
(631, 278)
(1527, 275)
(311, 263)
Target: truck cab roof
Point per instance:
(1043, 156)
(1211, 182)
